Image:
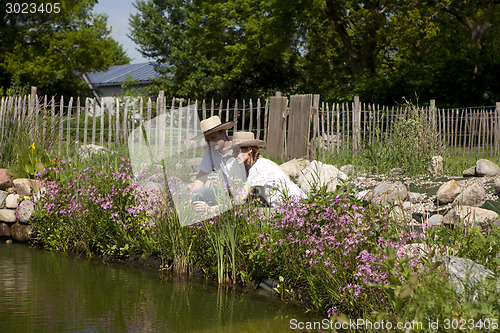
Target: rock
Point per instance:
(406, 205)
(3, 196)
(11, 201)
(319, 174)
(5, 231)
(25, 211)
(436, 167)
(363, 195)
(448, 192)
(435, 220)
(497, 186)
(470, 172)
(414, 197)
(87, 151)
(471, 217)
(388, 193)
(24, 186)
(7, 215)
(474, 195)
(6, 179)
(293, 167)
(21, 232)
(468, 276)
(486, 168)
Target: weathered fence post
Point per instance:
(433, 116)
(356, 124)
(276, 135)
(299, 124)
(497, 128)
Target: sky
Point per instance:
(118, 12)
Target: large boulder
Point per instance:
(7, 215)
(21, 232)
(448, 192)
(319, 174)
(25, 211)
(6, 179)
(436, 167)
(486, 168)
(468, 277)
(435, 220)
(472, 217)
(474, 195)
(293, 167)
(388, 193)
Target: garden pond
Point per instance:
(42, 291)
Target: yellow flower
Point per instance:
(32, 146)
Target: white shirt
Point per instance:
(271, 182)
(226, 166)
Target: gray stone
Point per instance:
(474, 195)
(3, 196)
(5, 231)
(448, 192)
(25, 211)
(319, 174)
(468, 277)
(497, 186)
(293, 167)
(388, 193)
(6, 179)
(7, 215)
(436, 167)
(11, 201)
(324, 141)
(470, 172)
(416, 197)
(471, 217)
(435, 220)
(21, 232)
(486, 168)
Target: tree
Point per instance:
(222, 48)
(47, 49)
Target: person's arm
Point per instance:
(243, 194)
(200, 180)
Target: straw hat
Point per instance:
(246, 139)
(211, 125)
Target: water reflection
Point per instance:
(42, 291)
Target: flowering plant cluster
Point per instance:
(94, 209)
(336, 248)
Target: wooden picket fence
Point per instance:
(292, 127)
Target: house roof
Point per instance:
(143, 73)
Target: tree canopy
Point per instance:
(47, 47)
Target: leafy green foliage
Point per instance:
(45, 49)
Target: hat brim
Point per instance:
(250, 143)
(224, 126)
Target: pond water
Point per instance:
(42, 291)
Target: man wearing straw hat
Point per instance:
(218, 157)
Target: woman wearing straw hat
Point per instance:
(263, 175)
(218, 157)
